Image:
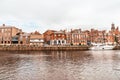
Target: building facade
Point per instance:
(12, 35)
(47, 36)
(58, 38)
(7, 33)
(24, 39)
(36, 39)
(114, 35)
(77, 37)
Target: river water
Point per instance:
(60, 65)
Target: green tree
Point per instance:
(116, 39)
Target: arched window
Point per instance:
(8, 42)
(62, 41)
(59, 42)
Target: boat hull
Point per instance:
(102, 48)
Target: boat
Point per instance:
(102, 47)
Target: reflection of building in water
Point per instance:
(72, 55)
(116, 64)
(58, 55)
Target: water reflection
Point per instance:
(60, 65)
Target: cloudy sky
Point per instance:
(40, 15)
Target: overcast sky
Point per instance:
(40, 15)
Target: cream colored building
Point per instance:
(36, 38)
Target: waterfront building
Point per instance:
(47, 35)
(36, 38)
(93, 35)
(24, 38)
(12, 35)
(114, 35)
(77, 37)
(68, 38)
(58, 38)
(87, 38)
(101, 38)
(97, 36)
(110, 37)
(7, 33)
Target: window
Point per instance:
(55, 42)
(59, 41)
(63, 41)
(21, 42)
(8, 42)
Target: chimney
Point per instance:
(3, 24)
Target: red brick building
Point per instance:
(58, 38)
(113, 35)
(77, 37)
(47, 35)
(7, 34)
(103, 36)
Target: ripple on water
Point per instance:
(58, 65)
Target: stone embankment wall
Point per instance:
(41, 48)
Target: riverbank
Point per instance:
(41, 48)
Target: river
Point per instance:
(60, 65)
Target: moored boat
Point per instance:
(101, 47)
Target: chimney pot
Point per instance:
(3, 24)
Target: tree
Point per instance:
(116, 39)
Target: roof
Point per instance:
(36, 40)
(59, 32)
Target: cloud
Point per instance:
(60, 14)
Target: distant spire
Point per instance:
(117, 28)
(112, 26)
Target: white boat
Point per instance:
(101, 47)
